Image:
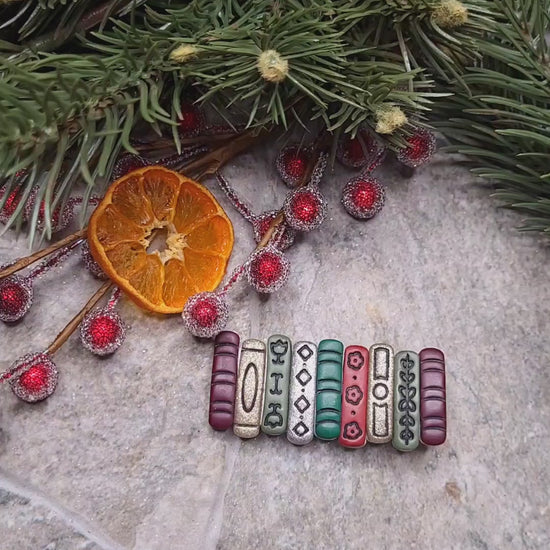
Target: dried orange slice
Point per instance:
(198, 235)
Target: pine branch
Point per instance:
(124, 67)
(500, 117)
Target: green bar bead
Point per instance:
(279, 359)
(329, 389)
(406, 401)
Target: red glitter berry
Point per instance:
(102, 331)
(35, 379)
(362, 151)
(10, 205)
(191, 122)
(363, 197)
(16, 294)
(420, 149)
(268, 270)
(205, 314)
(292, 164)
(14, 197)
(38, 377)
(60, 218)
(305, 209)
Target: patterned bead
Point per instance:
(380, 400)
(301, 402)
(250, 389)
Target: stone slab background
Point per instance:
(122, 457)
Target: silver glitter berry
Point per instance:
(420, 149)
(64, 213)
(101, 340)
(205, 314)
(372, 152)
(24, 365)
(292, 180)
(292, 202)
(355, 204)
(9, 313)
(260, 278)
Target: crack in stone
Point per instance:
(215, 521)
(78, 523)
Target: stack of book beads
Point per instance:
(351, 394)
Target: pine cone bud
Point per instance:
(389, 118)
(272, 66)
(183, 53)
(450, 14)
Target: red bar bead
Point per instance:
(433, 410)
(224, 379)
(353, 428)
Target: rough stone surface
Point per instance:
(122, 457)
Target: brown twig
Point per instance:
(214, 160)
(39, 254)
(201, 167)
(62, 337)
(164, 143)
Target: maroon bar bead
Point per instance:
(224, 379)
(433, 413)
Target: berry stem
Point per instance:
(235, 276)
(168, 143)
(317, 150)
(115, 297)
(38, 255)
(63, 336)
(54, 260)
(242, 208)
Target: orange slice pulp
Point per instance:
(139, 206)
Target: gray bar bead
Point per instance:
(406, 401)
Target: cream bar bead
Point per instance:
(250, 390)
(380, 401)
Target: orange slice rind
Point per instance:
(198, 243)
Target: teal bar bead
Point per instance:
(406, 401)
(277, 379)
(329, 389)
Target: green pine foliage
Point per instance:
(81, 80)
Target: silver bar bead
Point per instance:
(301, 404)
